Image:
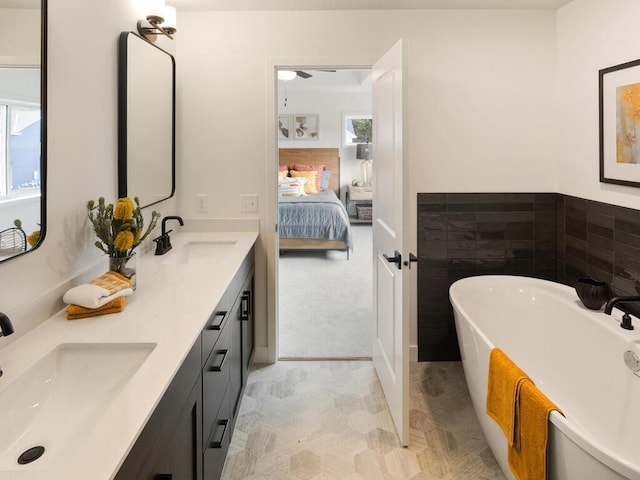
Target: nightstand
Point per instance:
(362, 197)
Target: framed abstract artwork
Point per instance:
(619, 92)
(305, 127)
(284, 127)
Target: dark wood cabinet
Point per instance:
(237, 341)
(181, 459)
(188, 435)
(170, 443)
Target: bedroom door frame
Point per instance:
(271, 241)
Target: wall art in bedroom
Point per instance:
(284, 127)
(305, 127)
(619, 94)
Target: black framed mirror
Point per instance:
(23, 132)
(146, 121)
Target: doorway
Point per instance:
(325, 294)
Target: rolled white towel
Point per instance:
(92, 296)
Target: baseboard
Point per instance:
(325, 359)
(261, 355)
(413, 353)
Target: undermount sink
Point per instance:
(199, 252)
(60, 397)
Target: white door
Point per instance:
(391, 307)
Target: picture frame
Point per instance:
(284, 127)
(619, 124)
(305, 126)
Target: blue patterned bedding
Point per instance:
(318, 215)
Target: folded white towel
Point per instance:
(92, 296)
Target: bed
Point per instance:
(315, 221)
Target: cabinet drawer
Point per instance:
(216, 446)
(212, 331)
(215, 378)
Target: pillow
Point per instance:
(283, 168)
(309, 168)
(291, 187)
(282, 174)
(325, 179)
(310, 186)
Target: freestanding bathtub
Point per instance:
(573, 355)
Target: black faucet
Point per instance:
(626, 318)
(163, 242)
(6, 328)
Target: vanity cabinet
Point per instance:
(225, 371)
(169, 444)
(188, 435)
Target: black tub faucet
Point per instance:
(626, 318)
(163, 242)
(6, 328)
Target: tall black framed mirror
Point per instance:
(146, 121)
(23, 132)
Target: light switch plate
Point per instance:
(248, 203)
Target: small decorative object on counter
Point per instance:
(593, 293)
(120, 230)
(125, 266)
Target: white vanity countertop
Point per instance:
(170, 307)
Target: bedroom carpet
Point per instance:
(325, 302)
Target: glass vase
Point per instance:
(125, 266)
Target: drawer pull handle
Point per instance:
(218, 443)
(163, 476)
(218, 320)
(218, 368)
(245, 306)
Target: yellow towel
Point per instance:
(528, 457)
(75, 312)
(505, 381)
(112, 282)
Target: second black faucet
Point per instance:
(626, 318)
(163, 242)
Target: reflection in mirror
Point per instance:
(146, 123)
(22, 126)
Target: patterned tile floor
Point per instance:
(328, 420)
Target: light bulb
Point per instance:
(155, 8)
(169, 17)
(286, 75)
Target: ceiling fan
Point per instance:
(291, 74)
(306, 75)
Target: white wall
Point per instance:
(82, 154)
(481, 101)
(19, 36)
(592, 35)
(330, 106)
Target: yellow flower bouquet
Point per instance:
(119, 229)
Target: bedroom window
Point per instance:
(19, 149)
(358, 128)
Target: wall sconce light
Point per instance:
(161, 20)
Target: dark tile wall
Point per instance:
(546, 235)
(601, 241)
(461, 235)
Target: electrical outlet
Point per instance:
(202, 203)
(249, 203)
